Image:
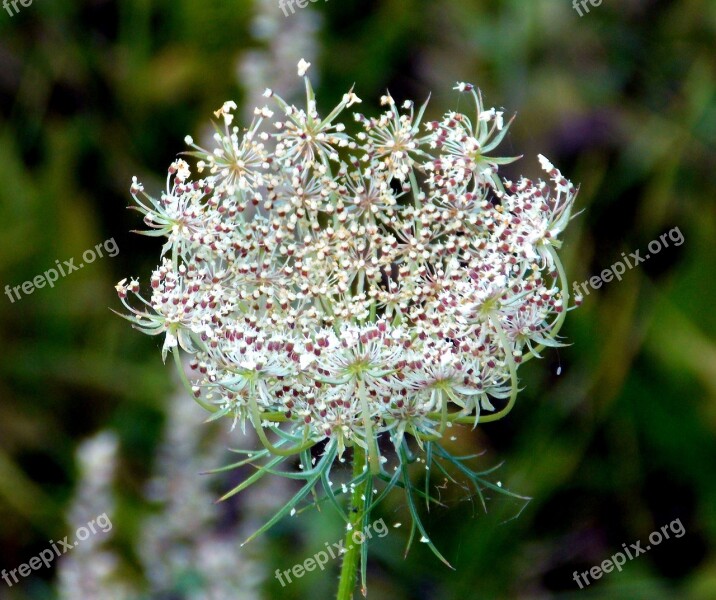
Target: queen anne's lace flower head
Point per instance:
(335, 287)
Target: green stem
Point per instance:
(370, 440)
(187, 383)
(496, 416)
(258, 426)
(351, 558)
(559, 321)
(507, 348)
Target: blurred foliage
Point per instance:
(620, 443)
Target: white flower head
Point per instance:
(347, 289)
(303, 67)
(545, 163)
(226, 111)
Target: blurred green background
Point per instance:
(613, 436)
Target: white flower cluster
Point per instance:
(350, 285)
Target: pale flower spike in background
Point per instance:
(334, 289)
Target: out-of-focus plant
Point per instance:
(336, 290)
(187, 546)
(91, 569)
(282, 41)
